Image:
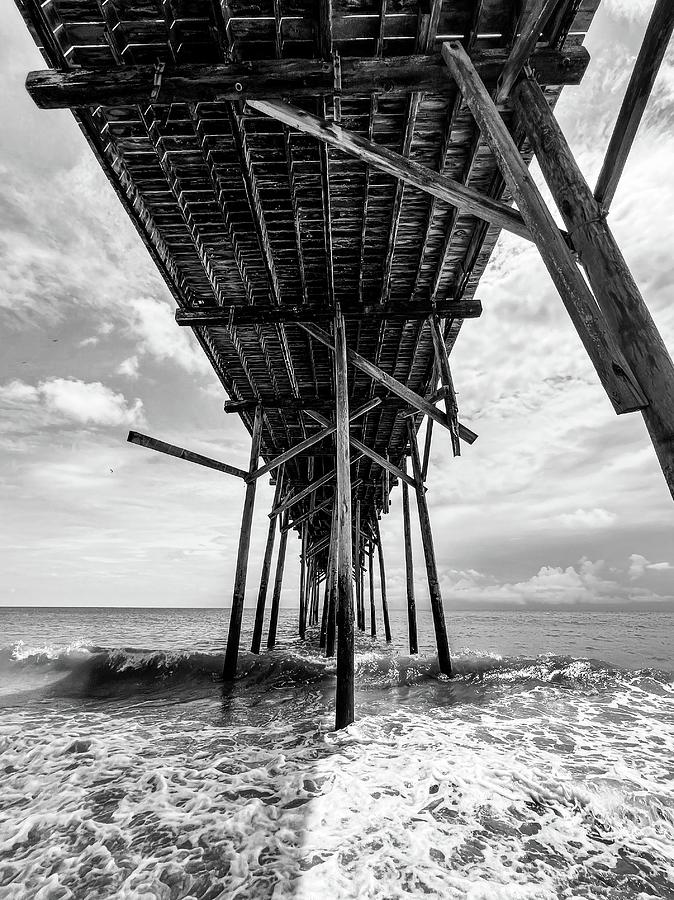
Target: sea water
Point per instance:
(542, 769)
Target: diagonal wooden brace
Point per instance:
(171, 450)
(612, 368)
(393, 385)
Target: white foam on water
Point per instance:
(544, 793)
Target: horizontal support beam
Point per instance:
(451, 191)
(298, 404)
(393, 385)
(368, 451)
(227, 316)
(135, 84)
(171, 450)
(311, 440)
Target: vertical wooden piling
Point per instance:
(360, 612)
(278, 583)
(266, 569)
(373, 620)
(303, 584)
(439, 625)
(382, 581)
(238, 597)
(332, 588)
(409, 569)
(344, 698)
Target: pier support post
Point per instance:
(332, 588)
(360, 610)
(382, 581)
(614, 287)
(278, 583)
(234, 635)
(266, 568)
(344, 698)
(439, 625)
(303, 584)
(409, 570)
(373, 620)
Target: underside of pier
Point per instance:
(321, 184)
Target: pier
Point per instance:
(321, 185)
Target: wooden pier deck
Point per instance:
(321, 185)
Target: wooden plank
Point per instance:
(313, 438)
(651, 54)
(264, 576)
(171, 450)
(382, 580)
(529, 30)
(439, 625)
(344, 696)
(610, 364)
(227, 316)
(393, 385)
(128, 85)
(609, 276)
(442, 186)
(409, 573)
(236, 614)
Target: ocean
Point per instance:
(542, 769)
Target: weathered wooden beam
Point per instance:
(409, 573)
(227, 316)
(610, 364)
(318, 546)
(128, 85)
(530, 29)
(439, 625)
(331, 625)
(236, 614)
(610, 278)
(171, 450)
(393, 385)
(278, 584)
(367, 451)
(409, 171)
(651, 54)
(382, 579)
(264, 576)
(344, 698)
(309, 514)
(427, 448)
(328, 430)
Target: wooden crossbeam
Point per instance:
(449, 395)
(225, 316)
(171, 450)
(651, 54)
(612, 368)
(529, 32)
(393, 385)
(312, 439)
(367, 451)
(310, 513)
(127, 85)
(407, 170)
(318, 546)
(309, 489)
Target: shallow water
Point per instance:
(543, 769)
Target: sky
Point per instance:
(559, 502)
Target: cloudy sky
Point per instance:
(559, 502)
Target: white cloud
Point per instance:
(585, 583)
(587, 518)
(153, 323)
(632, 10)
(128, 367)
(89, 403)
(639, 565)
